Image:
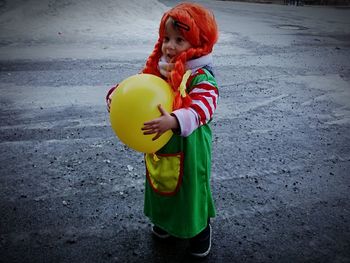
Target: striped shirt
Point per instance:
(202, 88)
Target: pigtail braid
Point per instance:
(151, 66)
(176, 77)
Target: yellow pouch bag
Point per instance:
(164, 172)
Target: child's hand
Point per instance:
(161, 124)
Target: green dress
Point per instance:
(178, 198)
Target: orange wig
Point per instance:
(200, 29)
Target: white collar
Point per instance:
(194, 64)
(201, 62)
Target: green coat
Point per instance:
(178, 198)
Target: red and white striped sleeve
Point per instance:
(204, 95)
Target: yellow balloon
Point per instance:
(135, 102)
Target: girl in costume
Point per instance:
(178, 198)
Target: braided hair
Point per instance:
(199, 28)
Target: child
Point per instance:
(178, 199)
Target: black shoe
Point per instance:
(160, 233)
(200, 245)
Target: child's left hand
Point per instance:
(160, 125)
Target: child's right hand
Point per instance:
(160, 125)
(109, 97)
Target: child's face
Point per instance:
(173, 42)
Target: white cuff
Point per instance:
(188, 120)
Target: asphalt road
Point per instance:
(71, 192)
